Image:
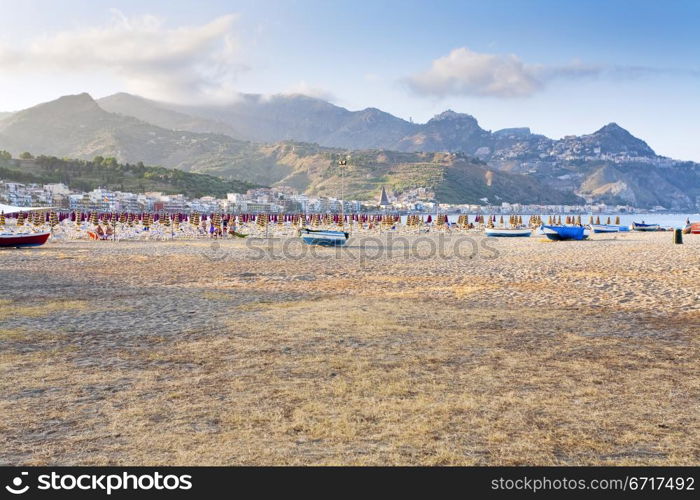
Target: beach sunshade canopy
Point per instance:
(10, 209)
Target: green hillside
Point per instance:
(108, 173)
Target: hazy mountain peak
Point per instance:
(612, 127)
(297, 99)
(71, 103)
(375, 113)
(514, 132)
(69, 110)
(614, 138)
(452, 115)
(124, 96)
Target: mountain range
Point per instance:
(296, 140)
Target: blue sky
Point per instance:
(558, 67)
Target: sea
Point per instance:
(664, 220)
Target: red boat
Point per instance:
(23, 240)
(693, 228)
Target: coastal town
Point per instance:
(279, 199)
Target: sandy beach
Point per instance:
(460, 350)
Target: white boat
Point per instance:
(323, 238)
(498, 232)
(605, 228)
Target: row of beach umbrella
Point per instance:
(218, 219)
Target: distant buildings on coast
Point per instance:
(281, 199)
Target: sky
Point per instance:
(558, 67)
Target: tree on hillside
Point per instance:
(26, 156)
(110, 162)
(5, 155)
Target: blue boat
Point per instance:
(323, 237)
(561, 233)
(640, 226)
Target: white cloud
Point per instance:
(177, 64)
(465, 72)
(304, 88)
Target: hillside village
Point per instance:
(280, 199)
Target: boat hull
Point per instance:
(508, 233)
(565, 233)
(694, 228)
(23, 240)
(605, 228)
(645, 227)
(324, 238)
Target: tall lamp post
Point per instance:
(341, 164)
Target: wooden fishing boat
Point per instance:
(502, 232)
(640, 226)
(19, 240)
(562, 233)
(693, 228)
(323, 237)
(605, 228)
